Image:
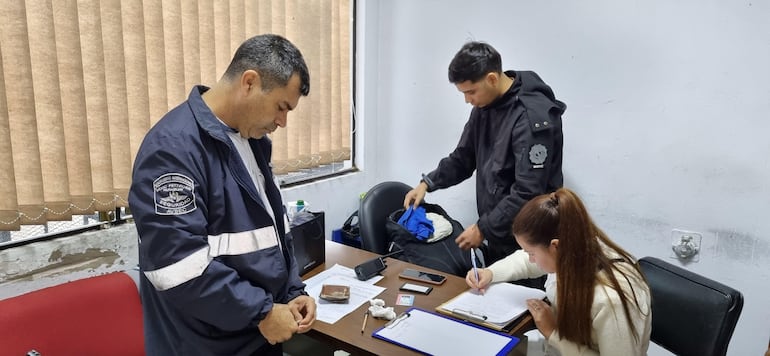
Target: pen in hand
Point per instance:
(366, 317)
(475, 269)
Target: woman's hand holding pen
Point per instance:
(485, 277)
(543, 316)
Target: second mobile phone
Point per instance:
(422, 276)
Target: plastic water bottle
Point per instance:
(295, 207)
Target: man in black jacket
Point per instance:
(512, 140)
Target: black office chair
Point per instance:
(381, 200)
(691, 314)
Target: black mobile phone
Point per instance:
(421, 276)
(369, 268)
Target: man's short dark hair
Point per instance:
(474, 61)
(274, 58)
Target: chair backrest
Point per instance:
(99, 315)
(691, 314)
(381, 200)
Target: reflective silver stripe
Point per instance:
(184, 270)
(240, 243)
(286, 223)
(229, 244)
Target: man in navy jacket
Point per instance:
(218, 272)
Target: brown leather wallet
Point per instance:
(335, 293)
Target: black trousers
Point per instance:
(269, 350)
(538, 282)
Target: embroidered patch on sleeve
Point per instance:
(537, 155)
(174, 194)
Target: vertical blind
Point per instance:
(81, 82)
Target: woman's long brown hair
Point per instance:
(561, 215)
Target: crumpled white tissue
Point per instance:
(379, 310)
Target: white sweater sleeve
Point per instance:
(514, 267)
(611, 332)
(569, 348)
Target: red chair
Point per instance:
(93, 316)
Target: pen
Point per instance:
(397, 320)
(473, 261)
(366, 317)
(469, 314)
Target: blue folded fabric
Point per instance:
(417, 223)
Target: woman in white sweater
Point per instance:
(600, 301)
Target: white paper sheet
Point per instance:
(500, 303)
(360, 292)
(437, 335)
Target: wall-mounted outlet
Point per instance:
(685, 245)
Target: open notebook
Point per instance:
(498, 307)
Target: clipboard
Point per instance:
(502, 308)
(434, 334)
(478, 320)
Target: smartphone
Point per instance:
(411, 287)
(421, 276)
(369, 268)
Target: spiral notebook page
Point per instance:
(435, 334)
(500, 303)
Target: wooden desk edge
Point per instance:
(526, 323)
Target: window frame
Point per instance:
(308, 176)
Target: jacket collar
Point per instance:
(511, 93)
(204, 116)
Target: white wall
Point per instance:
(47, 263)
(665, 126)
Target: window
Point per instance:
(81, 82)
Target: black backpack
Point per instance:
(443, 255)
